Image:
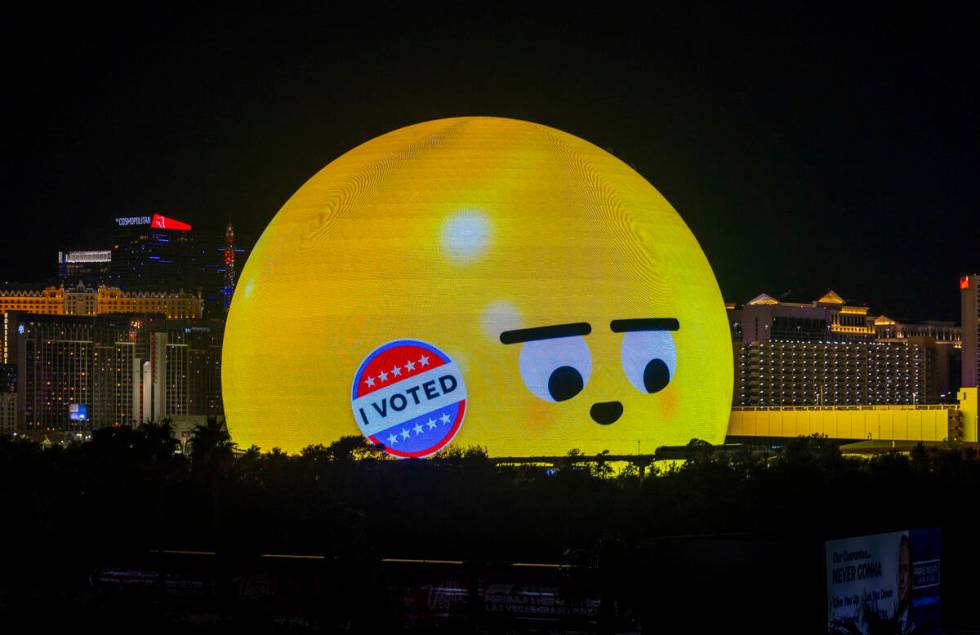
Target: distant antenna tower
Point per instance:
(229, 287)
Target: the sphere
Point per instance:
(567, 300)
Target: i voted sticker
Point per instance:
(409, 397)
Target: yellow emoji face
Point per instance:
(477, 281)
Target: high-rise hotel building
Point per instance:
(970, 323)
(828, 352)
(116, 369)
(156, 256)
(8, 398)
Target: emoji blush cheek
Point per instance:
(668, 403)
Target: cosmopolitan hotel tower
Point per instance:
(157, 253)
(153, 255)
(830, 353)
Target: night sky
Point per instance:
(805, 149)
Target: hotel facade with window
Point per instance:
(831, 353)
(113, 369)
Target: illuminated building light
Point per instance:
(156, 220)
(162, 222)
(101, 301)
(763, 299)
(229, 270)
(87, 256)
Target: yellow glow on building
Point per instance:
(50, 301)
(763, 299)
(838, 328)
(451, 233)
(101, 301)
(830, 297)
(968, 413)
(892, 423)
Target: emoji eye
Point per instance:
(649, 359)
(556, 369)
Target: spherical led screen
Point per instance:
(477, 281)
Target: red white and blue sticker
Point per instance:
(409, 396)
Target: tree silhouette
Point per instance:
(211, 445)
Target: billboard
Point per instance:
(77, 412)
(477, 281)
(884, 583)
(85, 256)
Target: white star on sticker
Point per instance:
(392, 439)
(383, 376)
(418, 429)
(423, 361)
(396, 371)
(445, 418)
(370, 381)
(409, 366)
(431, 423)
(405, 433)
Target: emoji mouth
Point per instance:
(606, 412)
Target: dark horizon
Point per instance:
(805, 150)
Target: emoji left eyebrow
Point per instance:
(645, 324)
(545, 332)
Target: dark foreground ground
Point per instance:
(679, 584)
(121, 534)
